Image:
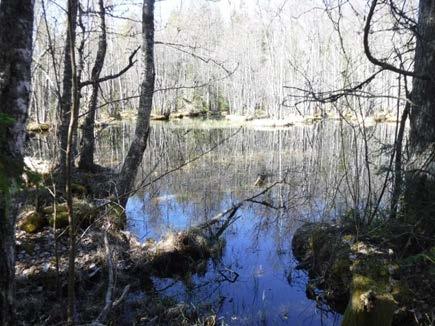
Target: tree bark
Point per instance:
(16, 26)
(66, 99)
(88, 139)
(71, 132)
(419, 203)
(137, 148)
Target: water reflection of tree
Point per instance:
(323, 161)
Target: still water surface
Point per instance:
(268, 289)
(324, 174)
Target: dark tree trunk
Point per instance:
(134, 157)
(16, 27)
(88, 140)
(66, 99)
(419, 204)
(71, 132)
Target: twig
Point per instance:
(109, 293)
(130, 64)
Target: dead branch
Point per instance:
(130, 64)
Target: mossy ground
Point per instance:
(378, 281)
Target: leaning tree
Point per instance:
(138, 146)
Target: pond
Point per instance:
(195, 169)
(263, 285)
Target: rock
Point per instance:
(31, 222)
(38, 127)
(320, 250)
(362, 284)
(30, 271)
(83, 210)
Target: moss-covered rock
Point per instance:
(361, 272)
(84, 211)
(38, 127)
(320, 251)
(370, 303)
(31, 222)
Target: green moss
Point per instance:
(61, 219)
(117, 215)
(34, 179)
(84, 212)
(364, 272)
(32, 222)
(78, 189)
(341, 269)
(370, 304)
(373, 267)
(427, 256)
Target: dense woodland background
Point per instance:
(248, 58)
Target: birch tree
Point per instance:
(134, 156)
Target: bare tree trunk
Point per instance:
(88, 139)
(398, 179)
(138, 146)
(72, 128)
(66, 99)
(419, 203)
(16, 26)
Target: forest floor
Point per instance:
(112, 268)
(124, 267)
(369, 276)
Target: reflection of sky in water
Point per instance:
(258, 245)
(258, 248)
